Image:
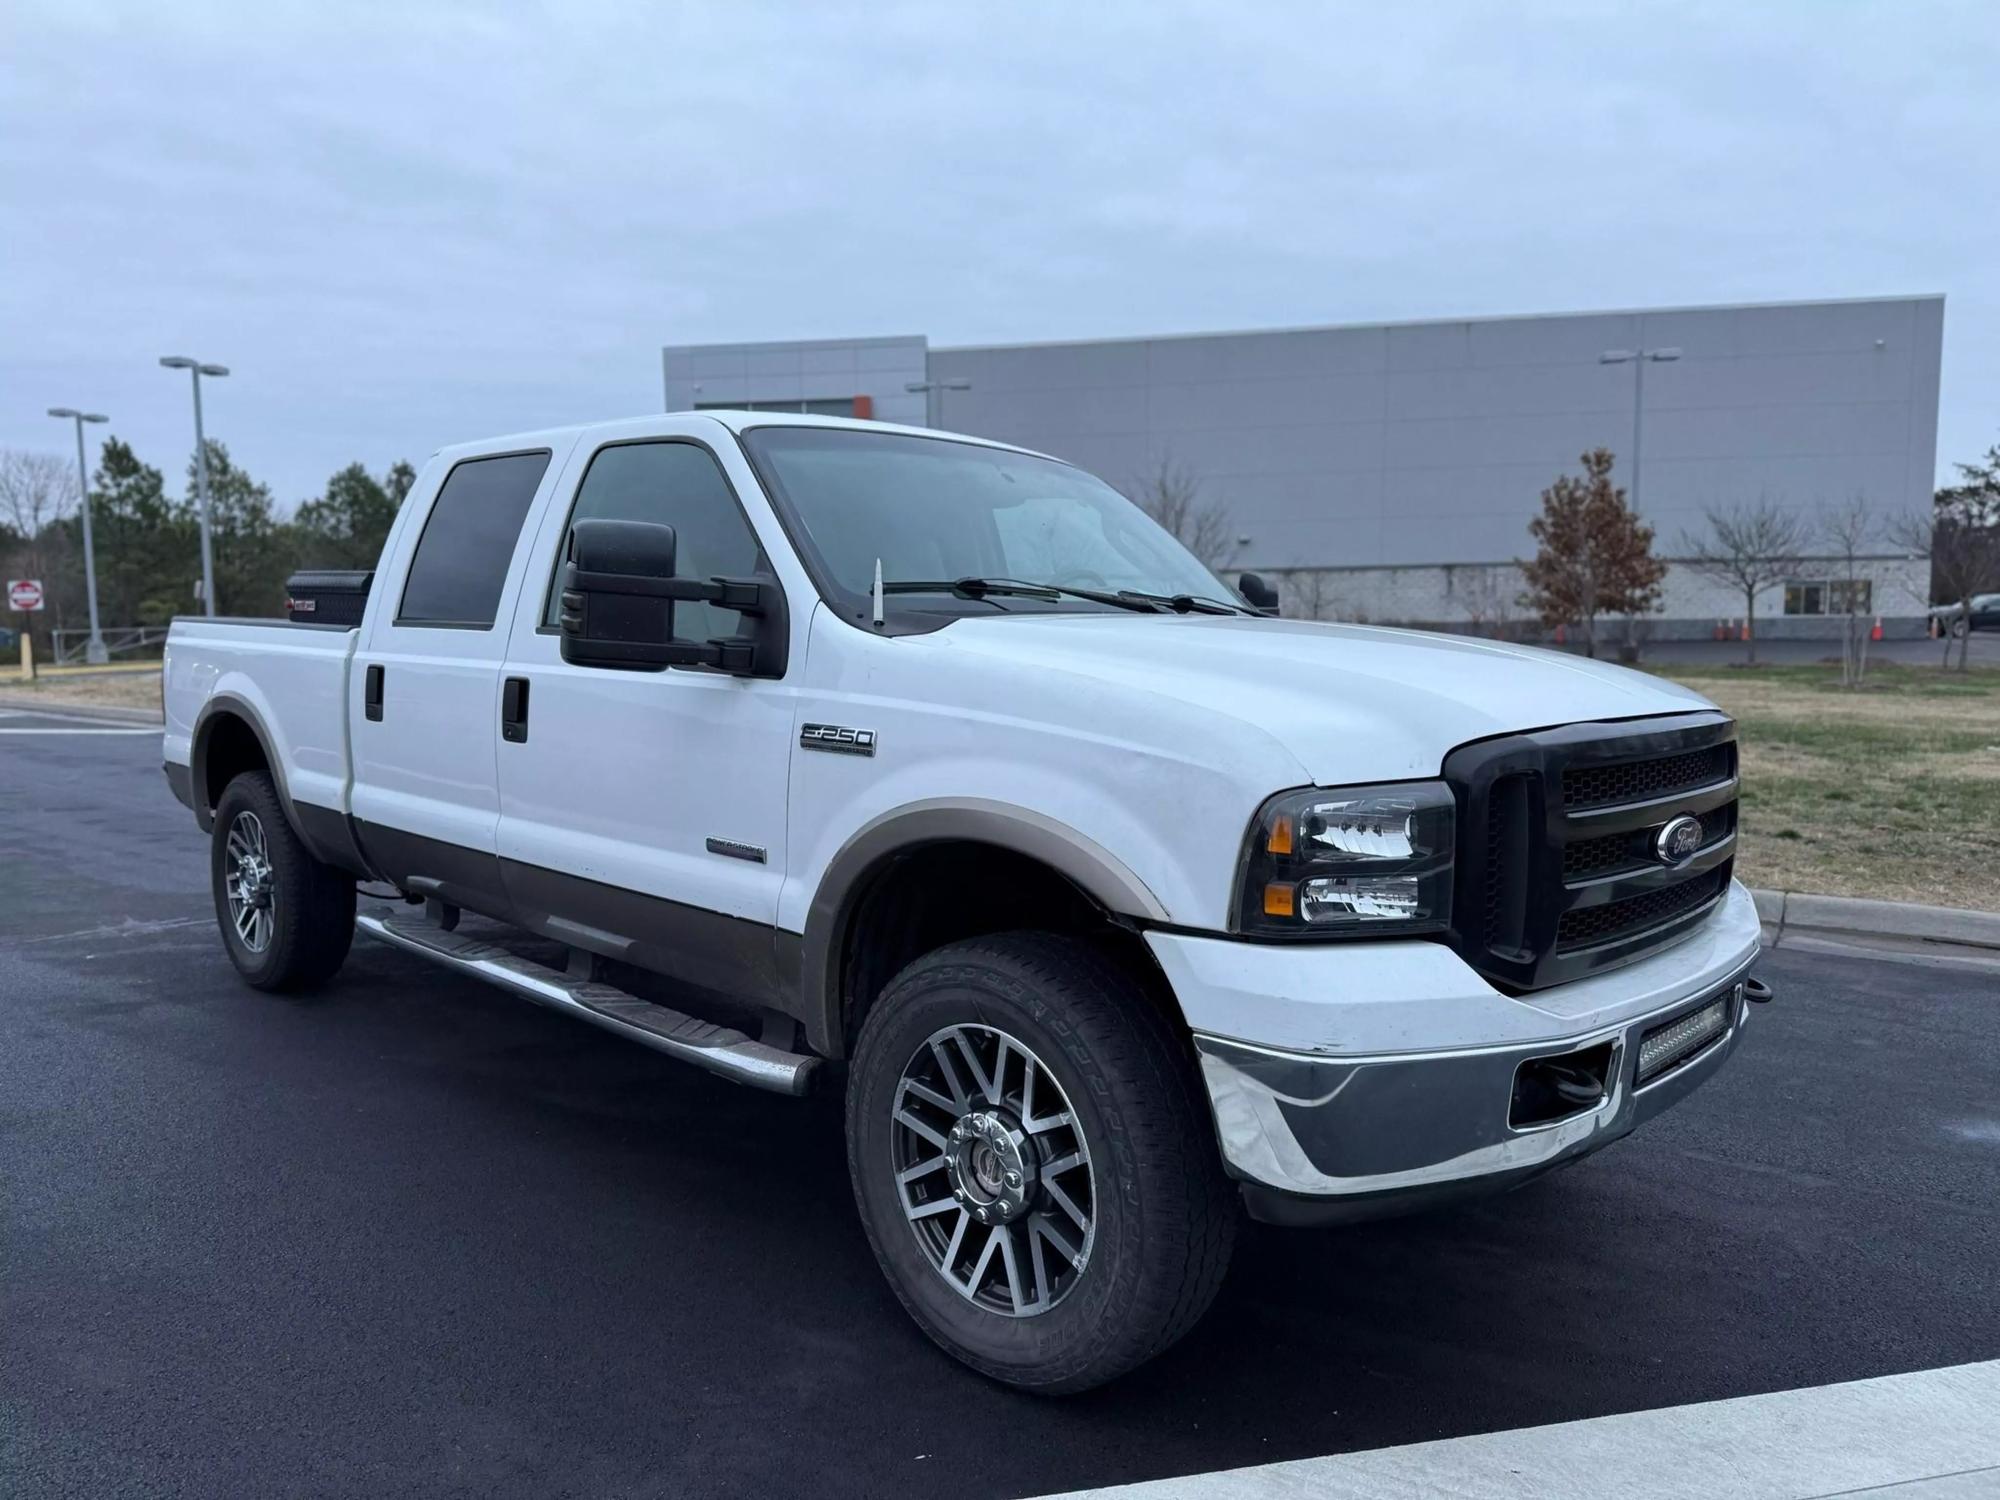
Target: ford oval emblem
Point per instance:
(1676, 843)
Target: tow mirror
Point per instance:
(618, 597)
(1261, 595)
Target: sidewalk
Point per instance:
(1926, 1436)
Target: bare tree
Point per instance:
(36, 491)
(1488, 595)
(1917, 535)
(1964, 552)
(1171, 495)
(1748, 547)
(1848, 531)
(1312, 594)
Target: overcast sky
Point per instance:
(414, 224)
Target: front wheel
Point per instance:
(1033, 1162)
(286, 918)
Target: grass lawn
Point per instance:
(1891, 791)
(57, 687)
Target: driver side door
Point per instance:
(642, 813)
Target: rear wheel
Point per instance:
(1034, 1165)
(286, 918)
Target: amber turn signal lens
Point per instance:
(1280, 901)
(1280, 841)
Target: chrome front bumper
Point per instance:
(1329, 1134)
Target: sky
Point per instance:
(408, 225)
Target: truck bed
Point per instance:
(292, 678)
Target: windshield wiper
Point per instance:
(1015, 588)
(1182, 604)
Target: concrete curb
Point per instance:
(32, 704)
(1887, 929)
(1792, 919)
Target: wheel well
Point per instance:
(229, 748)
(923, 898)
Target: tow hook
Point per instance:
(1756, 992)
(1573, 1085)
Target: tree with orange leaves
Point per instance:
(1593, 555)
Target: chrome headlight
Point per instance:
(1332, 862)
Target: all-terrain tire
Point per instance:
(310, 906)
(1164, 1216)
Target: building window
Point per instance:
(1830, 596)
(838, 406)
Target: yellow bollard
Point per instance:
(27, 656)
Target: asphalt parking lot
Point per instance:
(413, 1237)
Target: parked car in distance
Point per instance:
(932, 770)
(1953, 619)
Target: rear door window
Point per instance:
(460, 566)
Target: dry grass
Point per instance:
(97, 690)
(1891, 791)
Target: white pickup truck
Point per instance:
(801, 748)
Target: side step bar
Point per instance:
(716, 1048)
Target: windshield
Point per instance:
(933, 510)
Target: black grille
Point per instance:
(1506, 877)
(1588, 926)
(1585, 859)
(1588, 857)
(1643, 780)
(1557, 875)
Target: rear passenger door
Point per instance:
(643, 812)
(425, 686)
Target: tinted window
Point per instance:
(468, 540)
(682, 486)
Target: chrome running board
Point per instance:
(716, 1048)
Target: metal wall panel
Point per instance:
(1428, 443)
(1431, 442)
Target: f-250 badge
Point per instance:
(838, 738)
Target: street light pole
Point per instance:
(197, 369)
(934, 397)
(93, 651)
(1641, 358)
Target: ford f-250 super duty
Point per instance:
(802, 748)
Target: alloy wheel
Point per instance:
(249, 884)
(992, 1170)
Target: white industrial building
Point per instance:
(1388, 472)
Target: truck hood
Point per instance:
(1350, 702)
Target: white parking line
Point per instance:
(1933, 1433)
